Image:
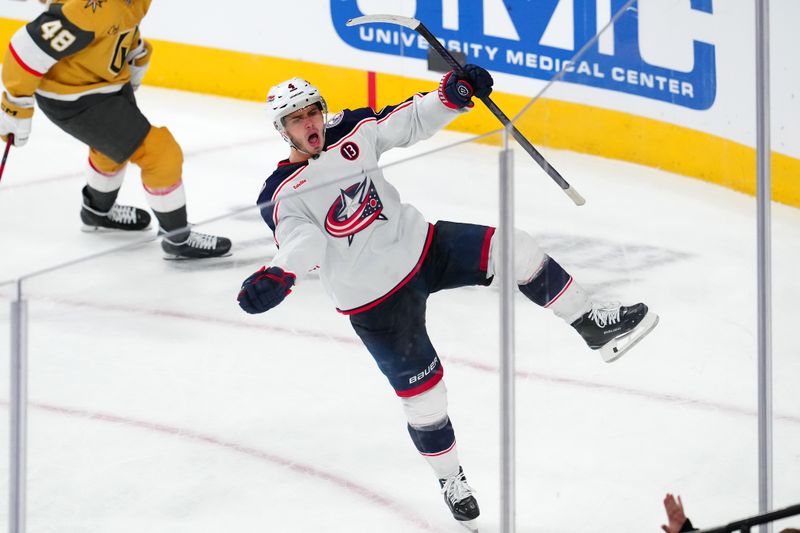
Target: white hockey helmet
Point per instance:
(289, 96)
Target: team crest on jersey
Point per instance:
(94, 4)
(356, 208)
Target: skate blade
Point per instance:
(173, 257)
(85, 228)
(615, 349)
(472, 525)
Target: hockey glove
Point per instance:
(139, 60)
(456, 89)
(16, 118)
(265, 289)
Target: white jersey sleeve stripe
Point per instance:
(29, 55)
(355, 129)
(399, 108)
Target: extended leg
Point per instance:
(161, 160)
(611, 329)
(432, 433)
(394, 333)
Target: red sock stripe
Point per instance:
(106, 174)
(163, 192)
(551, 302)
(440, 453)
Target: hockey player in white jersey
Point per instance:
(379, 259)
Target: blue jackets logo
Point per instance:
(528, 47)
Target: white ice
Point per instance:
(157, 405)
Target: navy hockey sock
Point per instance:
(548, 284)
(437, 444)
(554, 289)
(435, 440)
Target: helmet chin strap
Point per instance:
(289, 140)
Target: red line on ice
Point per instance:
(296, 466)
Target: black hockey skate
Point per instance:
(119, 217)
(195, 246)
(614, 329)
(459, 499)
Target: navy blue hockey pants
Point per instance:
(394, 330)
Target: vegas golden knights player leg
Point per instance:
(117, 132)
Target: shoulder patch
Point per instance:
(335, 120)
(345, 123)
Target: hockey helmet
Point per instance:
(289, 96)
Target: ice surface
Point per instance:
(157, 405)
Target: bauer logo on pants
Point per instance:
(537, 39)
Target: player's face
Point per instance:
(305, 128)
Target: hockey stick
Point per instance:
(417, 26)
(9, 142)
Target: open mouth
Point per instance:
(314, 140)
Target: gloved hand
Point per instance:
(456, 89)
(139, 60)
(265, 289)
(16, 118)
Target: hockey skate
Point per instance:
(614, 329)
(195, 246)
(119, 217)
(459, 499)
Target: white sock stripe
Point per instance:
(166, 200)
(427, 409)
(571, 302)
(528, 256)
(536, 272)
(104, 182)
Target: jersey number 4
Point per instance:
(59, 37)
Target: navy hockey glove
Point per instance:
(456, 90)
(265, 289)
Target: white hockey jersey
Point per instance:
(365, 241)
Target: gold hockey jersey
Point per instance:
(74, 48)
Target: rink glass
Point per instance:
(155, 403)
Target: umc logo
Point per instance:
(537, 39)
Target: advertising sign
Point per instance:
(539, 39)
